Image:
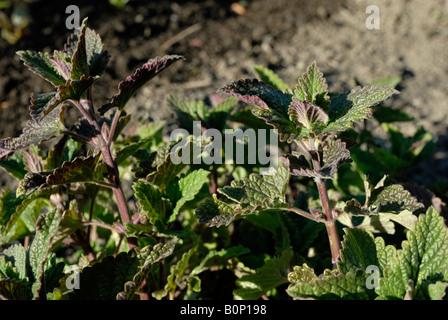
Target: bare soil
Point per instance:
(221, 45)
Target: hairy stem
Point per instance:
(330, 223)
(111, 165)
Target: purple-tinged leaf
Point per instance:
(335, 154)
(40, 102)
(127, 88)
(287, 130)
(78, 170)
(40, 64)
(33, 161)
(63, 67)
(313, 87)
(298, 166)
(259, 94)
(35, 132)
(305, 113)
(74, 89)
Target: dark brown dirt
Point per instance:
(220, 46)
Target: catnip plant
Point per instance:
(147, 238)
(314, 121)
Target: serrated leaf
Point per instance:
(150, 199)
(423, 260)
(246, 196)
(12, 289)
(40, 64)
(361, 250)
(97, 57)
(79, 62)
(394, 198)
(160, 170)
(271, 275)
(347, 109)
(149, 257)
(269, 77)
(332, 154)
(43, 242)
(332, 286)
(306, 114)
(13, 263)
(73, 89)
(312, 87)
(127, 88)
(259, 94)
(106, 279)
(35, 132)
(188, 187)
(78, 170)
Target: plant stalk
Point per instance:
(330, 221)
(112, 168)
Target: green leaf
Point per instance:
(187, 188)
(385, 202)
(332, 286)
(332, 154)
(151, 201)
(218, 258)
(148, 258)
(43, 243)
(387, 115)
(80, 66)
(127, 88)
(13, 263)
(14, 165)
(269, 77)
(40, 64)
(346, 109)
(160, 169)
(106, 279)
(312, 87)
(12, 289)
(423, 260)
(271, 275)
(361, 250)
(245, 196)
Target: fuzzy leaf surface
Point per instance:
(347, 109)
(312, 87)
(423, 260)
(128, 87)
(40, 64)
(35, 132)
(187, 187)
(246, 196)
(78, 170)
